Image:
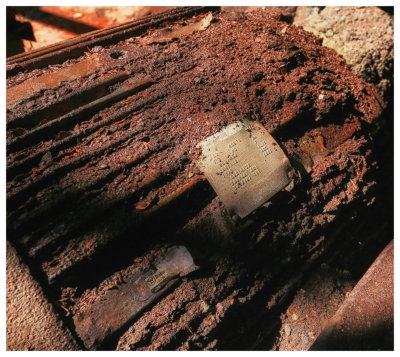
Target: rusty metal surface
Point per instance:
(75, 47)
(245, 166)
(52, 80)
(94, 199)
(365, 320)
(117, 308)
(67, 121)
(125, 300)
(64, 104)
(95, 34)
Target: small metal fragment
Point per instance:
(118, 306)
(168, 34)
(176, 262)
(244, 165)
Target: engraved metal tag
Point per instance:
(244, 165)
(157, 280)
(176, 262)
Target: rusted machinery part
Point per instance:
(121, 183)
(101, 32)
(76, 46)
(365, 320)
(64, 104)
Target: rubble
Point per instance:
(362, 35)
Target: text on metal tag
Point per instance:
(157, 280)
(245, 166)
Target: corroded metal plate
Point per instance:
(176, 262)
(244, 165)
(99, 320)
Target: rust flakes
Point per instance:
(51, 80)
(169, 34)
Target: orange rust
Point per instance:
(50, 80)
(177, 193)
(314, 146)
(89, 244)
(287, 119)
(168, 34)
(47, 50)
(360, 166)
(312, 150)
(142, 205)
(91, 19)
